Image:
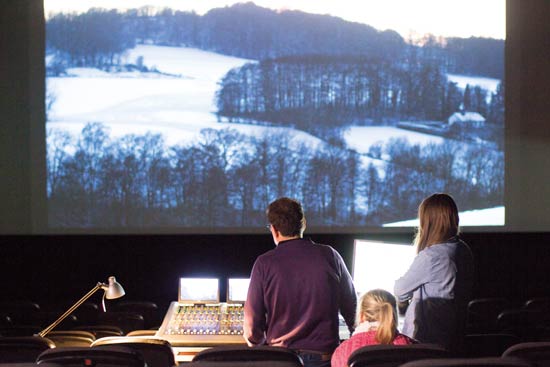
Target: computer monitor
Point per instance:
(378, 264)
(237, 289)
(199, 290)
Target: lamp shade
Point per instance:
(114, 289)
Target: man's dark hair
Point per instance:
(287, 216)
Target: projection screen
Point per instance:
(193, 115)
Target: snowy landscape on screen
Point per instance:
(179, 103)
(161, 134)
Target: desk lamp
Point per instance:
(112, 290)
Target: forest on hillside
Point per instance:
(99, 37)
(228, 179)
(317, 93)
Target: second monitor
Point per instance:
(378, 264)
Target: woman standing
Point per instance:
(439, 282)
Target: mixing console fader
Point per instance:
(203, 324)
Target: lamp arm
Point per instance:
(73, 307)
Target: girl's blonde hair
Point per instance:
(379, 305)
(438, 216)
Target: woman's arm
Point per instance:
(418, 274)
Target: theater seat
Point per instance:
(19, 311)
(23, 348)
(487, 345)
(527, 324)
(107, 356)
(126, 321)
(394, 355)
(483, 313)
(71, 338)
(5, 320)
(148, 332)
(470, 362)
(20, 330)
(537, 353)
(243, 355)
(156, 352)
(149, 311)
(538, 304)
(101, 331)
(258, 363)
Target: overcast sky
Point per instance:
(448, 18)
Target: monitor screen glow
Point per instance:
(379, 264)
(199, 290)
(237, 289)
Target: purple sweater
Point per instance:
(296, 291)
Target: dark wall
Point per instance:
(527, 162)
(22, 116)
(51, 268)
(47, 267)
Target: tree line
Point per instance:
(99, 37)
(226, 179)
(327, 91)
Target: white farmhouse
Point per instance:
(466, 118)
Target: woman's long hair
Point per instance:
(438, 216)
(379, 305)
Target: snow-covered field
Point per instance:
(177, 106)
(489, 84)
(360, 138)
(485, 217)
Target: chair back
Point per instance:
(20, 330)
(44, 318)
(71, 338)
(487, 345)
(388, 355)
(145, 332)
(527, 324)
(107, 356)
(29, 364)
(470, 362)
(126, 321)
(5, 319)
(483, 313)
(156, 352)
(87, 313)
(101, 331)
(263, 353)
(538, 353)
(82, 333)
(19, 311)
(149, 311)
(20, 349)
(538, 304)
(258, 363)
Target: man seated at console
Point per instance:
(297, 290)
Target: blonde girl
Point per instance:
(376, 324)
